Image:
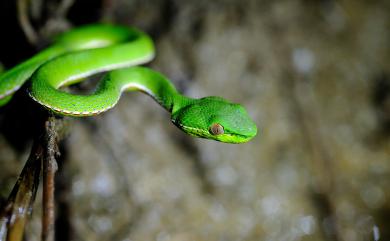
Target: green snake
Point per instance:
(92, 49)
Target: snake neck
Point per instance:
(150, 82)
(180, 102)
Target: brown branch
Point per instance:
(14, 214)
(49, 169)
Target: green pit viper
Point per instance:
(92, 49)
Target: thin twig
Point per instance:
(63, 8)
(25, 23)
(49, 169)
(14, 214)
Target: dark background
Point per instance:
(315, 76)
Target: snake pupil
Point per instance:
(216, 129)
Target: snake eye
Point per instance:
(216, 129)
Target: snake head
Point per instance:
(215, 118)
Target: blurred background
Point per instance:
(314, 75)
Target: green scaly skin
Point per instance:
(91, 49)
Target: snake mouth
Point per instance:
(235, 138)
(227, 137)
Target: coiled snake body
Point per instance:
(91, 49)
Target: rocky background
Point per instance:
(315, 76)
